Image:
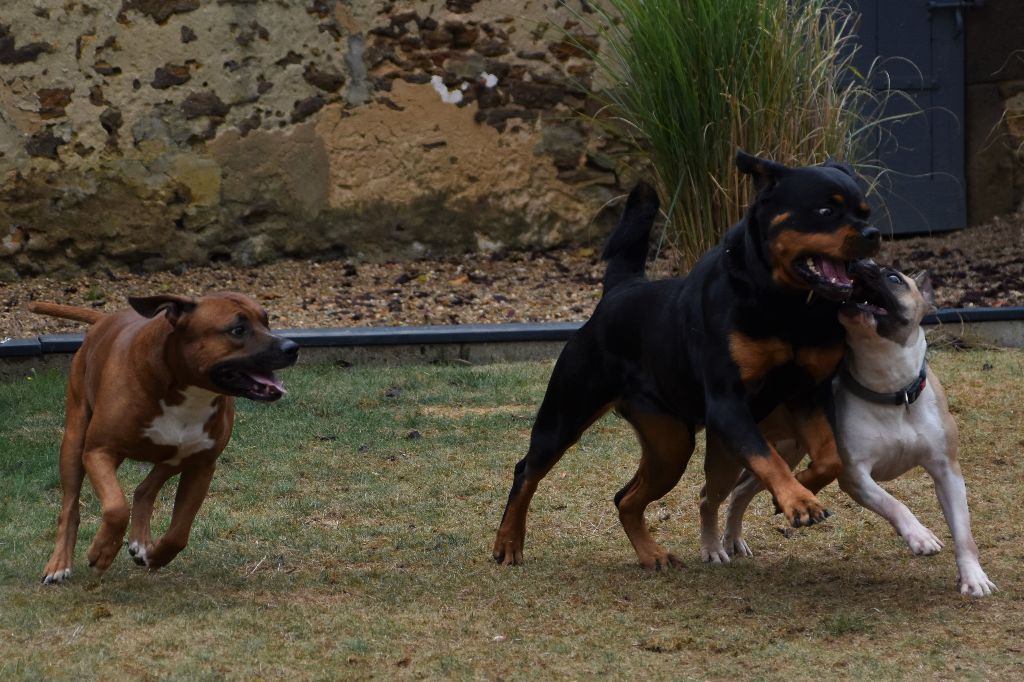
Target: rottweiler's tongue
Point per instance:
(833, 270)
(268, 381)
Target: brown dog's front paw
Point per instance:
(101, 554)
(56, 576)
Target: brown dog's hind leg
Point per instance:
(192, 489)
(140, 540)
(667, 444)
(576, 397)
(721, 472)
(72, 473)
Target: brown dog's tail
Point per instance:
(66, 311)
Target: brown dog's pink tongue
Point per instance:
(268, 380)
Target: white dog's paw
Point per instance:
(922, 541)
(137, 551)
(975, 583)
(736, 547)
(713, 553)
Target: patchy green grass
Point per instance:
(337, 544)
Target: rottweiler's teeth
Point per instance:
(810, 266)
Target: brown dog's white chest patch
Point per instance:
(183, 426)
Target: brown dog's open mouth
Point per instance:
(251, 384)
(826, 276)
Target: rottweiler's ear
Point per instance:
(765, 173)
(924, 284)
(841, 166)
(174, 306)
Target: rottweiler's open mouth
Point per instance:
(827, 277)
(259, 385)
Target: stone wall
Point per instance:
(144, 134)
(995, 109)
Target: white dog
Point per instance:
(891, 416)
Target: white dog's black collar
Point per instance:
(905, 396)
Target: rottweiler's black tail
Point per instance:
(626, 250)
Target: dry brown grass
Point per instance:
(334, 546)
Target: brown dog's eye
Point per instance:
(826, 211)
(238, 331)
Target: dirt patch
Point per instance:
(979, 267)
(464, 411)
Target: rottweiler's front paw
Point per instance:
(658, 560)
(508, 551)
(803, 509)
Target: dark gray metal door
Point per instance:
(919, 45)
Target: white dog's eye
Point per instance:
(826, 211)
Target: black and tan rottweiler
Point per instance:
(753, 326)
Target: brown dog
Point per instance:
(156, 384)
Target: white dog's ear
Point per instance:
(924, 284)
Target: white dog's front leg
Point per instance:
(858, 484)
(952, 494)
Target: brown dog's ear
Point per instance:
(924, 284)
(173, 306)
(765, 173)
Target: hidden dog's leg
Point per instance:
(192, 489)
(140, 540)
(721, 471)
(814, 424)
(72, 473)
(101, 466)
(746, 488)
(952, 494)
(576, 397)
(667, 444)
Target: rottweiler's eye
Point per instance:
(238, 331)
(826, 211)
(895, 279)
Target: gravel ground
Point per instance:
(982, 266)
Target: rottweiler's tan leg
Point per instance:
(101, 466)
(72, 473)
(195, 483)
(667, 444)
(800, 505)
(721, 471)
(140, 540)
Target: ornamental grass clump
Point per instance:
(689, 82)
